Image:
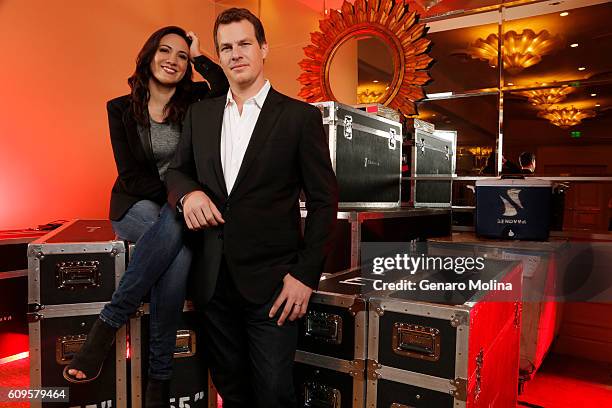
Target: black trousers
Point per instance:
(249, 355)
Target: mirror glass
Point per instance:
(361, 71)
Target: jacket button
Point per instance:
(220, 236)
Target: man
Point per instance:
(240, 166)
(527, 161)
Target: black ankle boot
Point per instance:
(92, 354)
(157, 394)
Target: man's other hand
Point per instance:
(200, 212)
(295, 295)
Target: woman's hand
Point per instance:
(194, 48)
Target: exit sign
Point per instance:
(575, 134)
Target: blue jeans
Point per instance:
(161, 264)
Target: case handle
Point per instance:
(323, 327)
(72, 275)
(67, 346)
(321, 395)
(411, 340)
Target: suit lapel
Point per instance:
(268, 116)
(216, 123)
(143, 135)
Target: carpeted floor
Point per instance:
(569, 382)
(561, 382)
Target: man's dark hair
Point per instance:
(526, 158)
(234, 15)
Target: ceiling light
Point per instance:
(439, 95)
(510, 84)
(593, 94)
(375, 81)
(574, 45)
(565, 117)
(564, 14)
(581, 68)
(597, 105)
(433, 115)
(542, 98)
(520, 51)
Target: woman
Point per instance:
(144, 128)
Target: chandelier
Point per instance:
(369, 96)
(565, 117)
(542, 98)
(520, 51)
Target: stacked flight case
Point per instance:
(332, 347)
(72, 272)
(433, 155)
(383, 225)
(366, 154)
(543, 263)
(14, 290)
(191, 385)
(457, 351)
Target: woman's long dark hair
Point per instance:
(139, 81)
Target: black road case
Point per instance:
(191, 385)
(14, 290)
(332, 346)
(366, 154)
(385, 225)
(433, 154)
(460, 352)
(72, 273)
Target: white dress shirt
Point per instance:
(237, 130)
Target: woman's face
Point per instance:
(170, 61)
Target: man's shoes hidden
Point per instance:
(93, 352)
(157, 394)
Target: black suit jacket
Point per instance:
(138, 178)
(261, 238)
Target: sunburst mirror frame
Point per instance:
(388, 20)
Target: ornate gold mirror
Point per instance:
(369, 51)
(361, 71)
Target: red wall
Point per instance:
(60, 65)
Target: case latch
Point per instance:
(420, 144)
(348, 127)
(392, 141)
(185, 343)
(479, 363)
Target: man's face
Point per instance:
(240, 55)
